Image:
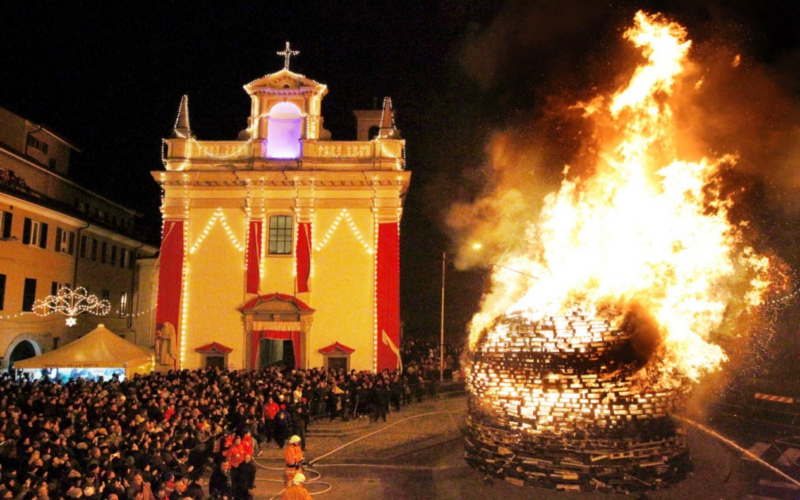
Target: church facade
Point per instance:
(282, 246)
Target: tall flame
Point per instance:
(645, 230)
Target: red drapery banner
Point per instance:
(303, 256)
(254, 256)
(170, 281)
(388, 296)
(294, 336)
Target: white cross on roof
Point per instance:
(287, 55)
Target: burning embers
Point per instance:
(552, 403)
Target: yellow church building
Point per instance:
(283, 245)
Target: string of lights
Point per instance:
(136, 314)
(184, 308)
(376, 239)
(71, 303)
(344, 215)
(218, 216)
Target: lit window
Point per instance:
(280, 235)
(123, 304)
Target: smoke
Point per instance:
(536, 62)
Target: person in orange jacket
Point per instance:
(296, 491)
(294, 459)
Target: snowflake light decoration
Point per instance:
(71, 303)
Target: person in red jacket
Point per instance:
(235, 453)
(271, 408)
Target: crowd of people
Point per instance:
(157, 436)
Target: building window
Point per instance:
(280, 235)
(123, 304)
(52, 163)
(5, 225)
(35, 143)
(29, 295)
(83, 246)
(56, 287)
(123, 257)
(94, 248)
(113, 255)
(104, 253)
(34, 233)
(106, 295)
(2, 292)
(65, 241)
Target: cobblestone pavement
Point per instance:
(418, 454)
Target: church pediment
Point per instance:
(282, 80)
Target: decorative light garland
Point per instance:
(376, 233)
(344, 215)
(71, 303)
(262, 270)
(185, 271)
(313, 227)
(133, 315)
(204, 150)
(184, 99)
(218, 216)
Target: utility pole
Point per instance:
(441, 332)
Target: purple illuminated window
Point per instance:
(284, 131)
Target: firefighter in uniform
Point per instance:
(296, 491)
(294, 459)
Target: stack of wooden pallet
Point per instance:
(552, 404)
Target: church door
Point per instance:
(271, 352)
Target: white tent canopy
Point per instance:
(100, 348)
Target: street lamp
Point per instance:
(441, 332)
(475, 246)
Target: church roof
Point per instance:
(281, 297)
(283, 80)
(336, 346)
(214, 347)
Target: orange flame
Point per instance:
(646, 229)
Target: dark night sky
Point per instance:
(109, 76)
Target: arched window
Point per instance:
(284, 131)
